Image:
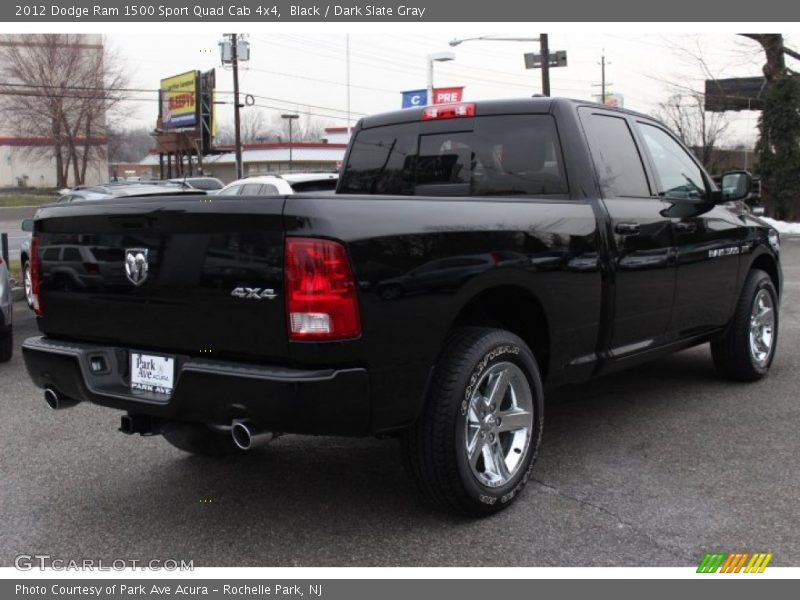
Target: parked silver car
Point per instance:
(6, 314)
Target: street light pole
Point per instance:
(432, 58)
(290, 117)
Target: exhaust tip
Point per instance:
(241, 434)
(246, 435)
(56, 400)
(52, 398)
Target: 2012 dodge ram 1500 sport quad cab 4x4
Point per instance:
(473, 253)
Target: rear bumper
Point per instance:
(320, 401)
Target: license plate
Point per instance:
(152, 373)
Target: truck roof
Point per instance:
(532, 105)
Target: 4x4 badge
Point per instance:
(136, 265)
(253, 293)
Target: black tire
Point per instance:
(732, 353)
(6, 346)
(435, 447)
(26, 277)
(199, 439)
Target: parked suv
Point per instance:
(281, 185)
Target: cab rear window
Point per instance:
(485, 156)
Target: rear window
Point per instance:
(490, 156)
(317, 185)
(206, 184)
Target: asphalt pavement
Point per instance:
(650, 467)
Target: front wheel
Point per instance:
(473, 447)
(746, 349)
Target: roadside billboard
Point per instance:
(179, 107)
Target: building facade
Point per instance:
(27, 147)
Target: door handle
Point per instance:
(627, 228)
(684, 227)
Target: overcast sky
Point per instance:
(308, 73)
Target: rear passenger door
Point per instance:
(708, 237)
(640, 233)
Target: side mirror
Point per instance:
(27, 225)
(735, 185)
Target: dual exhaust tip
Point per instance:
(247, 435)
(56, 400)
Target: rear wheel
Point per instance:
(200, 439)
(746, 350)
(473, 446)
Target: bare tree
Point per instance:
(699, 129)
(59, 88)
(256, 127)
(128, 145)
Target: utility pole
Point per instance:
(545, 52)
(347, 39)
(603, 83)
(236, 106)
(603, 78)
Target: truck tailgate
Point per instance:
(199, 276)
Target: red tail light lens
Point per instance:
(448, 111)
(321, 299)
(37, 305)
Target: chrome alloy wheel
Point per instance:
(26, 280)
(762, 328)
(499, 424)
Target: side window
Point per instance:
(251, 189)
(71, 255)
(268, 189)
(679, 175)
(231, 191)
(620, 171)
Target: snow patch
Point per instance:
(783, 226)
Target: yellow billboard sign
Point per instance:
(179, 100)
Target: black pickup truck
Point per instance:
(473, 254)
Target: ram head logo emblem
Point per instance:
(136, 265)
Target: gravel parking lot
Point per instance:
(649, 467)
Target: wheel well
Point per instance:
(767, 264)
(516, 310)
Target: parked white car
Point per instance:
(281, 185)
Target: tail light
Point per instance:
(37, 305)
(448, 111)
(321, 299)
